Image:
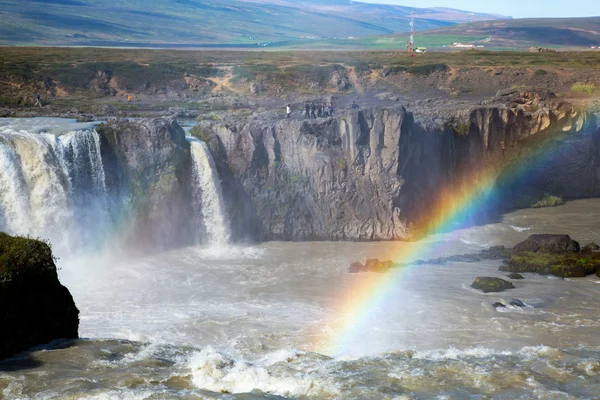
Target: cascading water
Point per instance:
(52, 186)
(209, 213)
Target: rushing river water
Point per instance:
(262, 322)
(243, 323)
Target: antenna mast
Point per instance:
(411, 42)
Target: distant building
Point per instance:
(540, 50)
(463, 46)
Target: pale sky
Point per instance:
(513, 8)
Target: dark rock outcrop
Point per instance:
(548, 243)
(516, 276)
(148, 171)
(590, 248)
(35, 308)
(489, 285)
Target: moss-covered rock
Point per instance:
(34, 307)
(516, 276)
(536, 200)
(548, 200)
(488, 285)
(590, 248)
(566, 265)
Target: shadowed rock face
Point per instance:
(326, 179)
(35, 308)
(373, 174)
(148, 170)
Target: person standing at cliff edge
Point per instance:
(38, 100)
(288, 110)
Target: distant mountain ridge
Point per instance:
(209, 22)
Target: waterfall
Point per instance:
(208, 207)
(53, 187)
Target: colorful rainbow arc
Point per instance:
(453, 209)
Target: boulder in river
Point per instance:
(548, 243)
(488, 284)
(375, 265)
(514, 275)
(590, 248)
(565, 265)
(35, 308)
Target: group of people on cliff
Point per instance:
(312, 110)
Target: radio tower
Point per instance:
(411, 42)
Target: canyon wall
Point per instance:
(372, 174)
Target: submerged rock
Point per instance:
(35, 308)
(517, 303)
(357, 267)
(548, 243)
(498, 305)
(488, 284)
(516, 276)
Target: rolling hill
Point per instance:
(219, 23)
(522, 33)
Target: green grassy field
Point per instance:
(26, 60)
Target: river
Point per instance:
(263, 322)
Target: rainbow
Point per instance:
(454, 208)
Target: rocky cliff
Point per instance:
(375, 173)
(34, 307)
(148, 172)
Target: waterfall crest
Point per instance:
(53, 187)
(209, 213)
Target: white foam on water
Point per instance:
(519, 229)
(457, 354)
(217, 372)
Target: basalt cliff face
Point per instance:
(373, 174)
(148, 177)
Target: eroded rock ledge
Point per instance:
(375, 174)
